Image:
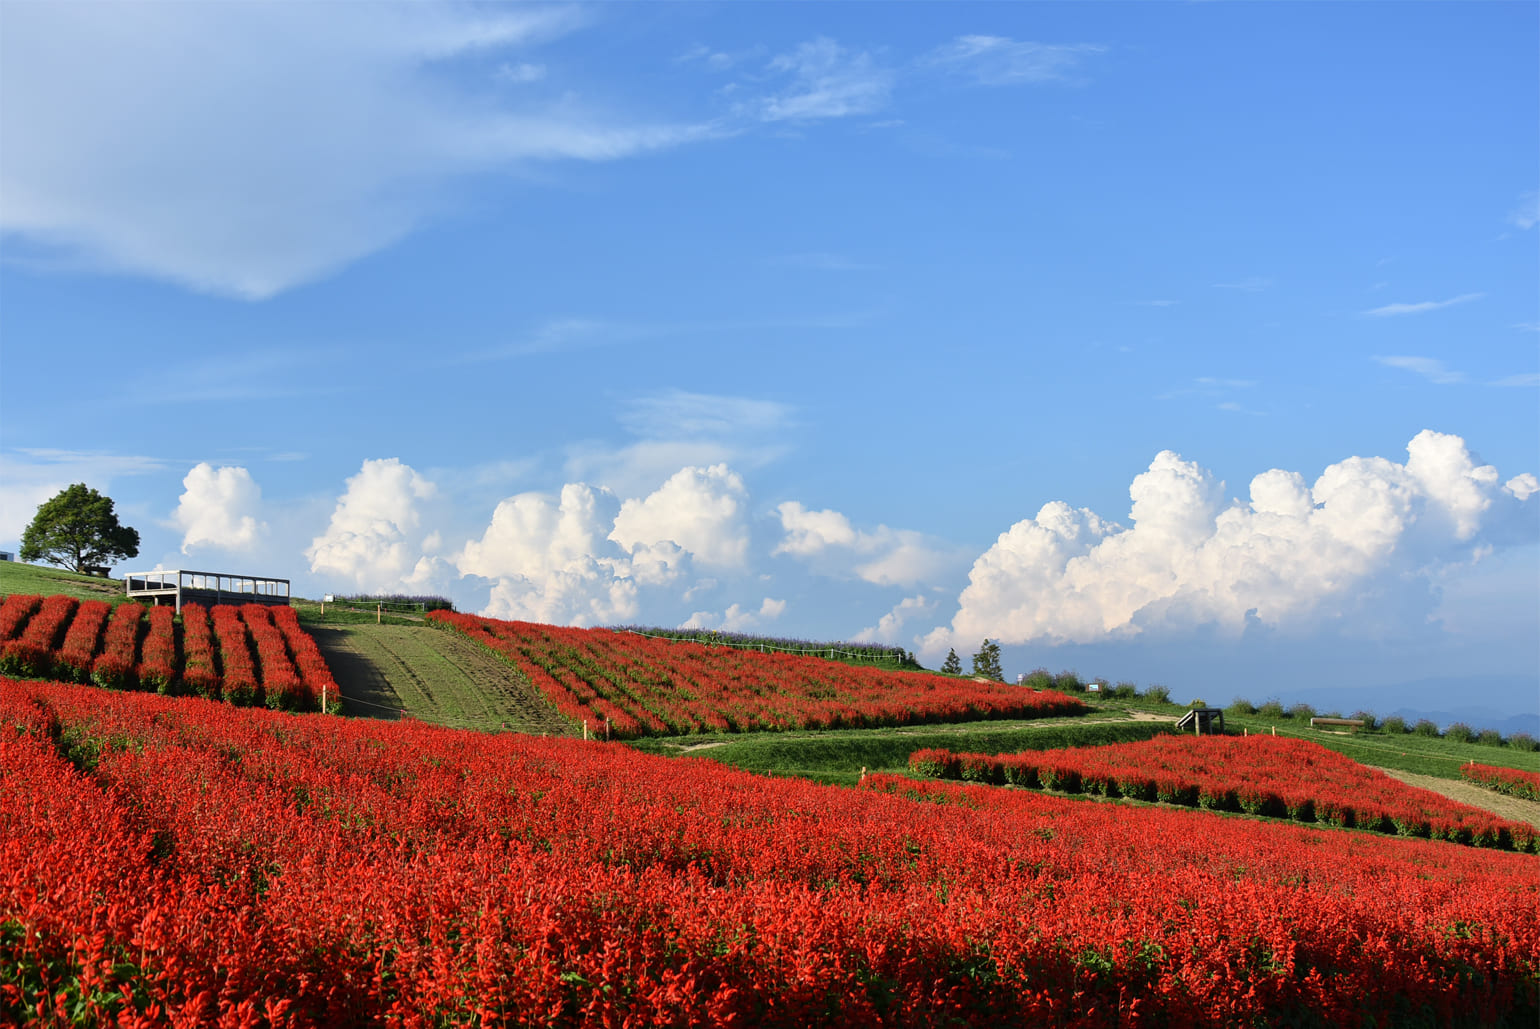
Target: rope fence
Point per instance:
(764, 647)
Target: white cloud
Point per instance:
(1000, 61)
(889, 628)
(1429, 368)
(1293, 556)
(735, 618)
(1393, 310)
(157, 139)
(219, 507)
(827, 81)
(28, 477)
(699, 511)
(369, 538)
(520, 73)
(884, 556)
(1526, 215)
(551, 561)
(1251, 284)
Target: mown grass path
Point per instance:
(1515, 808)
(432, 675)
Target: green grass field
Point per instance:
(44, 580)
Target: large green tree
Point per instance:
(987, 662)
(952, 665)
(78, 529)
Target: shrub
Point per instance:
(1367, 717)
(1489, 738)
(1304, 712)
(1272, 709)
(1158, 693)
(1425, 727)
(1125, 690)
(1523, 741)
(1068, 681)
(1459, 732)
(1038, 679)
(1197, 702)
(1241, 706)
(1395, 723)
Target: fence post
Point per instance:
(323, 698)
(585, 728)
(378, 607)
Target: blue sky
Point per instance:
(1191, 343)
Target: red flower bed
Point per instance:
(14, 612)
(240, 684)
(33, 652)
(281, 685)
(1261, 775)
(307, 659)
(114, 666)
(641, 686)
(1525, 785)
(157, 663)
(221, 867)
(200, 673)
(82, 639)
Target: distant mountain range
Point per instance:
(1507, 703)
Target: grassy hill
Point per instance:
(16, 577)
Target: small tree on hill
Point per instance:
(953, 664)
(78, 529)
(987, 662)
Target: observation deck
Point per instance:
(207, 588)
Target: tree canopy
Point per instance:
(78, 529)
(952, 665)
(987, 662)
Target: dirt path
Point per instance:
(433, 675)
(1499, 804)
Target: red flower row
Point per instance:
(57, 636)
(1260, 775)
(1525, 785)
(226, 866)
(640, 686)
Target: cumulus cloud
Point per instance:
(698, 511)
(890, 627)
(370, 539)
(219, 507)
(735, 618)
(156, 139)
(1294, 555)
(883, 556)
(550, 559)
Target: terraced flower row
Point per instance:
(167, 861)
(642, 687)
(249, 654)
(1260, 775)
(1525, 785)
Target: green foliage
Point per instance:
(1069, 682)
(1272, 708)
(1038, 679)
(78, 529)
(1523, 741)
(952, 665)
(1198, 702)
(1367, 717)
(1489, 738)
(1394, 724)
(1459, 732)
(1241, 706)
(1125, 691)
(1426, 727)
(987, 662)
(1304, 712)
(1158, 693)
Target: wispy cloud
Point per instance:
(1251, 284)
(821, 262)
(1526, 379)
(155, 140)
(1393, 310)
(1155, 303)
(1429, 368)
(824, 80)
(1212, 387)
(30, 475)
(1001, 61)
(1526, 215)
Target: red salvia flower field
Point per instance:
(1262, 775)
(1513, 781)
(251, 654)
(640, 686)
(172, 862)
